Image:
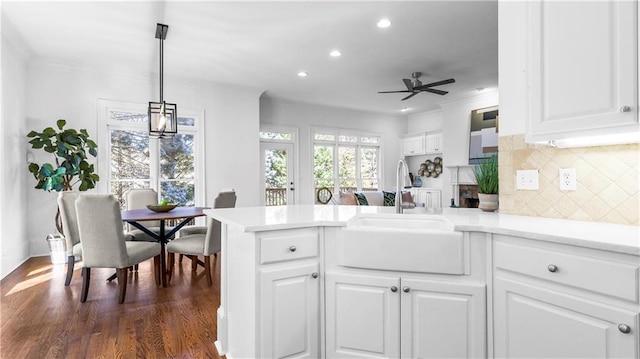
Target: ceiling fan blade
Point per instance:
(408, 83)
(439, 92)
(393, 91)
(438, 83)
(410, 96)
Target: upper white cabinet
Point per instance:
(582, 69)
(430, 143)
(414, 145)
(433, 143)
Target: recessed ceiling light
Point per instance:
(335, 53)
(303, 74)
(384, 23)
(405, 109)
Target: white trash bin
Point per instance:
(57, 248)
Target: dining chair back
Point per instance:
(67, 208)
(139, 198)
(212, 244)
(201, 240)
(103, 241)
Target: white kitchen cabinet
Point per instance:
(271, 290)
(431, 198)
(413, 146)
(433, 143)
(442, 319)
(290, 312)
(362, 316)
(553, 301)
(582, 69)
(377, 316)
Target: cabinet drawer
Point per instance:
(591, 273)
(290, 245)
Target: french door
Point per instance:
(277, 176)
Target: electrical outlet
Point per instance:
(527, 179)
(568, 179)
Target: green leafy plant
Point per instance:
(486, 174)
(70, 149)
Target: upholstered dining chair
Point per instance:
(204, 241)
(67, 207)
(139, 198)
(103, 242)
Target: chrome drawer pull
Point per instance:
(292, 248)
(394, 289)
(406, 289)
(552, 268)
(314, 274)
(624, 328)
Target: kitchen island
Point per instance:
(289, 290)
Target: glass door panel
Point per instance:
(277, 176)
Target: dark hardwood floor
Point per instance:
(41, 318)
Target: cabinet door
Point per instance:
(362, 316)
(583, 68)
(412, 146)
(443, 319)
(434, 143)
(290, 312)
(533, 322)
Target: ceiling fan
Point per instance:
(415, 86)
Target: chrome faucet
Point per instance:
(402, 173)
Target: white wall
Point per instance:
(14, 246)
(231, 127)
(305, 116)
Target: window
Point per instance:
(168, 165)
(346, 161)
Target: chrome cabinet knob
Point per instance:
(624, 328)
(406, 289)
(292, 248)
(625, 109)
(394, 289)
(552, 268)
(314, 274)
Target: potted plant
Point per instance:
(70, 149)
(486, 174)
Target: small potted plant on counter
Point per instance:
(486, 174)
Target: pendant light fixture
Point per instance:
(163, 116)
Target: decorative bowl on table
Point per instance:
(161, 208)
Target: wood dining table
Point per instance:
(136, 216)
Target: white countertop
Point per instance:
(605, 236)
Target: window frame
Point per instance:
(336, 144)
(106, 125)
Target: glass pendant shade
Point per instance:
(163, 121)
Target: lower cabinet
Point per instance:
(374, 316)
(560, 301)
(290, 312)
(531, 322)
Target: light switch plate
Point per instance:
(527, 179)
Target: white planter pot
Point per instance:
(488, 202)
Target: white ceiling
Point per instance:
(264, 44)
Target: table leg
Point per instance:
(163, 259)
